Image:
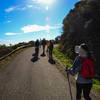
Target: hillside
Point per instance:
(82, 24)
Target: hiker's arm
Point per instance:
(76, 67)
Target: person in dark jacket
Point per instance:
(82, 84)
(43, 45)
(37, 48)
(51, 46)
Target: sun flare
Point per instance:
(45, 1)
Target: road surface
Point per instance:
(23, 79)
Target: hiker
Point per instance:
(37, 48)
(40, 43)
(50, 50)
(84, 66)
(43, 45)
(47, 43)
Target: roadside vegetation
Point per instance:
(81, 25)
(62, 58)
(4, 49)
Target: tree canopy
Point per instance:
(82, 25)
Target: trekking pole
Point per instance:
(69, 87)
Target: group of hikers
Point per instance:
(44, 43)
(83, 67)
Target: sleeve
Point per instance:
(76, 67)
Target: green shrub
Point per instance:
(63, 58)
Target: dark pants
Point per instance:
(85, 88)
(50, 53)
(37, 52)
(43, 49)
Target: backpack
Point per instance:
(88, 70)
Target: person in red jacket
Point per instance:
(84, 67)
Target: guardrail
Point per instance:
(14, 51)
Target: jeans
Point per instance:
(43, 49)
(85, 88)
(37, 52)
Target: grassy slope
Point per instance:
(65, 61)
(62, 58)
(7, 60)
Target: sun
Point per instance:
(45, 1)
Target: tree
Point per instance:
(82, 25)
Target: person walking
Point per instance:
(51, 46)
(37, 48)
(84, 67)
(43, 45)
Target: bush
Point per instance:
(82, 25)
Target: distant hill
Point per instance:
(4, 50)
(82, 24)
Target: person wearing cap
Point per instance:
(82, 84)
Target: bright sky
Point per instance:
(26, 20)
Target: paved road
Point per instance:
(25, 80)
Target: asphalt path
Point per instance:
(23, 79)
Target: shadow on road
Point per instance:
(51, 61)
(34, 54)
(43, 55)
(35, 58)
